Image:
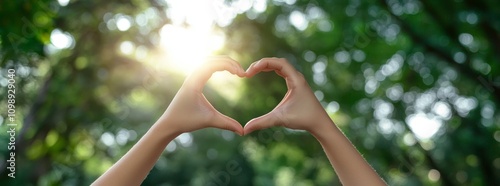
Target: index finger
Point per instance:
(200, 76)
(279, 65)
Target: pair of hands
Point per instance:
(190, 110)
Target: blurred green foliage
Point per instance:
(415, 85)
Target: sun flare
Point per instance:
(192, 34)
(186, 47)
(195, 33)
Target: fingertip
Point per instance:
(258, 63)
(249, 74)
(236, 128)
(251, 65)
(230, 124)
(241, 72)
(247, 129)
(251, 71)
(237, 69)
(251, 125)
(240, 131)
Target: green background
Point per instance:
(374, 65)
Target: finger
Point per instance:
(231, 65)
(200, 76)
(279, 65)
(276, 71)
(250, 67)
(251, 71)
(262, 122)
(222, 121)
(239, 70)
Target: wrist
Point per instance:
(323, 129)
(163, 131)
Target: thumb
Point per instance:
(262, 122)
(222, 121)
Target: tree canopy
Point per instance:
(415, 85)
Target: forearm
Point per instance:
(135, 165)
(348, 163)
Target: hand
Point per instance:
(190, 110)
(299, 109)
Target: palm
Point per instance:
(299, 109)
(191, 109)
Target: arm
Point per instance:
(188, 111)
(300, 109)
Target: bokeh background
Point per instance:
(414, 84)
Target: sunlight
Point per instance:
(186, 47)
(193, 34)
(60, 39)
(423, 126)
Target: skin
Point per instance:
(188, 111)
(297, 110)
(300, 109)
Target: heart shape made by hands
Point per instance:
(242, 98)
(296, 110)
